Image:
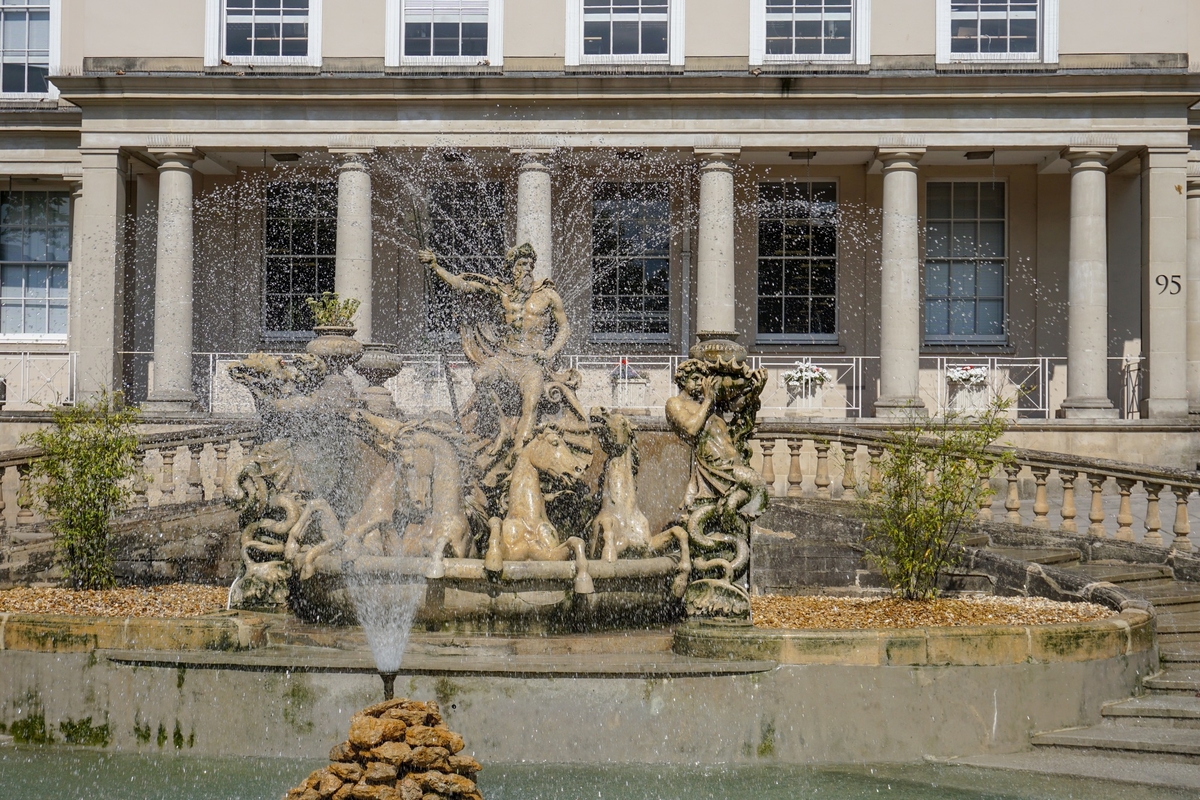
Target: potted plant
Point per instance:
(968, 387)
(335, 343)
(805, 378)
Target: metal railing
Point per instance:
(32, 380)
(643, 383)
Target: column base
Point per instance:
(895, 407)
(1087, 408)
(169, 402)
(1164, 408)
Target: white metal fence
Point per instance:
(641, 384)
(33, 381)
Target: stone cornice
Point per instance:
(92, 89)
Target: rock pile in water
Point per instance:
(397, 750)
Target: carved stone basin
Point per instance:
(463, 589)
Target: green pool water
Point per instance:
(64, 774)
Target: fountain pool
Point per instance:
(51, 774)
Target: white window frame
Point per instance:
(860, 49)
(55, 64)
(71, 263)
(574, 56)
(1046, 53)
(214, 39)
(393, 51)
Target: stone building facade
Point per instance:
(890, 191)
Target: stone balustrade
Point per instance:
(175, 468)
(1045, 490)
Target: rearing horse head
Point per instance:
(559, 451)
(613, 432)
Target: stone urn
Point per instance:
(378, 364)
(336, 346)
(714, 345)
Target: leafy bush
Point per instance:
(332, 311)
(82, 479)
(929, 490)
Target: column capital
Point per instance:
(175, 157)
(717, 158)
(536, 159)
(352, 154)
(899, 158)
(1193, 185)
(1088, 156)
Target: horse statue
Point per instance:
(526, 532)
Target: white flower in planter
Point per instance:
(805, 375)
(967, 376)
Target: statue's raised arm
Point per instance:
(456, 282)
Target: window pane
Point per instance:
(990, 317)
(962, 279)
(991, 201)
(991, 239)
(57, 319)
(937, 200)
(990, 279)
(624, 38)
(597, 38)
(12, 281)
(418, 38)
(963, 239)
(937, 317)
(962, 317)
(937, 279)
(937, 240)
(11, 318)
(966, 200)
(237, 39)
(654, 37)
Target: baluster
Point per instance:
(849, 475)
(195, 487)
(985, 491)
(875, 452)
(140, 484)
(168, 476)
(1124, 512)
(3, 505)
(25, 515)
(795, 477)
(1183, 525)
(1096, 514)
(222, 458)
(822, 479)
(1012, 503)
(1068, 502)
(1153, 520)
(1041, 505)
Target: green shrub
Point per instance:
(929, 489)
(330, 310)
(82, 480)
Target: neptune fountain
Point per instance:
(344, 492)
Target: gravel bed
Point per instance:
(171, 601)
(816, 612)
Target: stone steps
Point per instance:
(1176, 681)
(1133, 577)
(1057, 556)
(1127, 739)
(1157, 710)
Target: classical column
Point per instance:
(145, 253)
(353, 268)
(74, 282)
(99, 262)
(1087, 286)
(715, 308)
(1165, 280)
(1193, 293)
(533, 208)
(172, 390)
(900, 285)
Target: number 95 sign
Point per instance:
(1169, 284)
